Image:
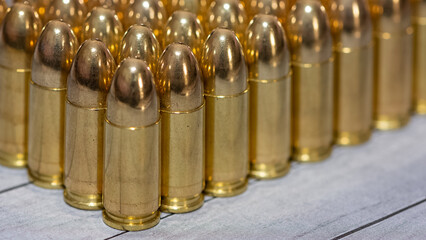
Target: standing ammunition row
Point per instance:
(159, 130)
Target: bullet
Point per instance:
(19, 32)
(40, 6)
(198, 7)
(268, 61)
(310, 42)
(147, 12)
(52, 60)
(229, 14)
(3, 9)
(351, 28)
(120, 6)
(103, 24)
(227, 98)
(184, 27)
(87, 85)
(393, 81)
(180, 86)
(268, 7)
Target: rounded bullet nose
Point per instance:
(266, 49)
(147, 12)
(184, 27)
(389, 15)
(53, 55)
(308, 32)
(223, 64)
(90, 76)
(179, 79)
(133, 100)
(3, 9)
(270, 7)
(140, 42)
(193, 6)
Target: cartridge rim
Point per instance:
(181, 205)
(309, 155)
(85, 202)
(45, 181)
(385, 123)
(131, 223)
(352, 138)
(13, 161)
(226, 189)
(269, 171)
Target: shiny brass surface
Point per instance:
(352, 29)
(103, 24)
(3, 9)
(52, 61)
(131, 190)
(179, 83)
(147, 12)
(198, 7)
(88, 83)
(227, 99)
(120, 6)
(270, 7)
(229, 14)
(268, 60)
(19, 32)
(184, 27)
(310, 43)
(40, 6)
(70, 11)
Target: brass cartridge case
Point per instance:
(269, 7)
(103, 24)
(227, 114)
(87, 86)
(268, 61)
(19, 32)
(3, 9)
(393, 39)
(131, 190)
(52, 60)
(180, 86)
(310, 43)
(352, 29)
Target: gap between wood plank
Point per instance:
(15, 187)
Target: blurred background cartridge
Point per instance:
(270, 7)
(19, 32)
(179, 83)
(268, 61)
(40, 6)
(310, 43)
(227, 114)
(198, 7)
(120, 6)
(88, 83)
(352, 29)
(393, 40)
(52, 61)
(3, 9)
(131, 194)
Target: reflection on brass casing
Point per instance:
(3, 9)
(184, 27)
(227, 98)
(19, 32)
(103, 24)
(268, 60)
(180, 86)
(393, 39)
(229, 14)
(87, 86)
(270, 7)
(40, 6)
(131, 190)
(198, 7)
(52, 60)
(70, 11)
(352, 29)
(310, 43)
(147, 12)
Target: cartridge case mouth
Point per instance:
(226, 189)
(269, 171)
(85, 202)
(311, 154)
(46, 181)
(386, 123)
(181, 205)
(227, 96)
(13, 160)
(352, 138)
(131, 223)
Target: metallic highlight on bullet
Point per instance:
(268, 60)
(131, 190)
(40, 6)
(229, 14)
(352, 29)
(269, 7)
(184, 27)
(147, 12)
(311, 42)
(52, 61)
(88, 83)
(179, 83)
(19, 32)
(227, 99)
(103, 24)
(393, 81)
(3, 9)
(139, 42)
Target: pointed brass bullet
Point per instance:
(19, 32)
(88, 83)
(198, 7)
(268, 60)
(179, 83)
(3, 9)
(103, 24)
(52, 60)
(269, 7)
(120, 6)
(140, 42)
(227, 114)
(131, 194)
(40, 6)
(184, 27)
(310, 44)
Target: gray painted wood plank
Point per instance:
(11, 177)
